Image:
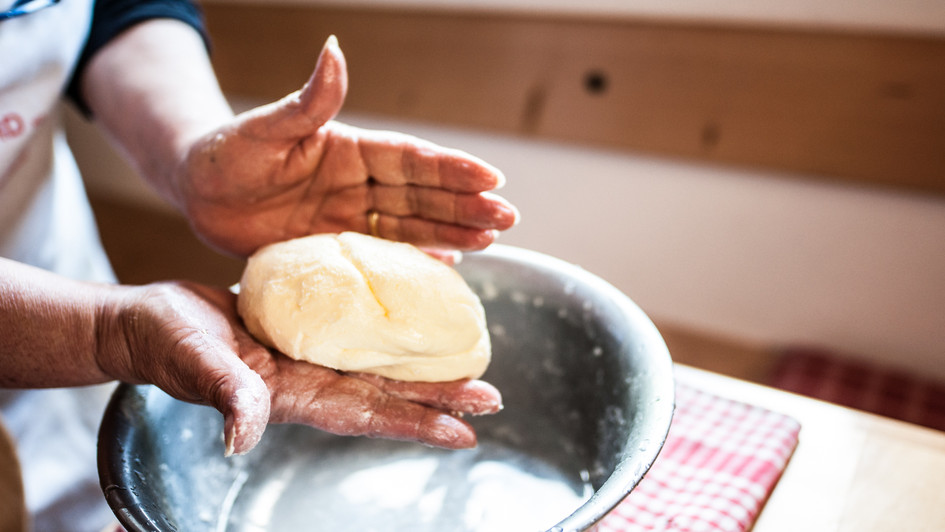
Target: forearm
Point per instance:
(48, 328)
(154, 92)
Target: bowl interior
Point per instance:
(588, 392)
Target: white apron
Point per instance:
(45, 220)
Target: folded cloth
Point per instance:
(720, 462)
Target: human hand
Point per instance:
(187, 339)
(287, 169)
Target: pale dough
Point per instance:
(357, 303)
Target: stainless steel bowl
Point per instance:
(588, 391)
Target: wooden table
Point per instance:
(851, 471)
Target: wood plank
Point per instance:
(711, 351)
(146, 245)
(858, 107)
(912, 17)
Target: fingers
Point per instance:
(223, 379)
(322, 97)
(183, 338)
(468, 396)
(427, 234)
(333, 402)
(300, 114)
(425, 194)
(437, 218)
(245, 416)
(397, 419)
(450, 257)
(476, 211)
(398, 159)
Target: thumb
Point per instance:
(299, 114)
(212, 373)
(229, 384)
(323, 95)
(244, 401)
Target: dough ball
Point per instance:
(357, 303)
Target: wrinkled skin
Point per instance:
(188, 340)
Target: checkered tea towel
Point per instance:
(720, 462)
(860, 384)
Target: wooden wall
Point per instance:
(841, 105)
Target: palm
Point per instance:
(286, 170)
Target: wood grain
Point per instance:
(839, 105)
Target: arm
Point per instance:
(47, 328)
(154, 93)
(57, 332)
(187, 339)
(285, 169)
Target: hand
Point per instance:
(287, 170)
(187, 340)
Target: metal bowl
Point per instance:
(588, 391)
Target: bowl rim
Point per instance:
(633, 467)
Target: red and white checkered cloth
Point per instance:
(870, 386)
(720, 462)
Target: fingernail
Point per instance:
(245, 420)
(480, 398)
(500, 179)
(331, 42)
(451, 433)
(511, 210)
(229, 435)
